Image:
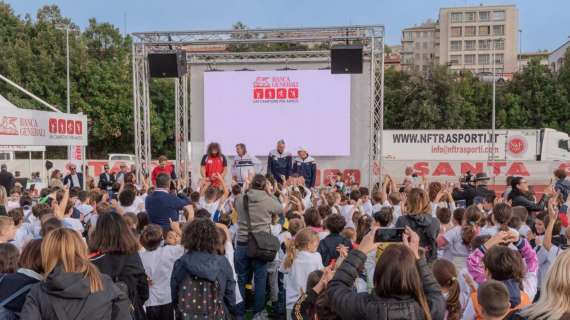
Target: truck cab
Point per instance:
(555, 145)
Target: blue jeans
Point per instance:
(245, 269)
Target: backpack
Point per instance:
(200, 299)
(427, 240)
(6, 314)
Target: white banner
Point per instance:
(460, 144)
(24, 127)
(22, 148)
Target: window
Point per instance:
(408, 36)
(456, 31)
(469, 17)
(469, 59)
(456, 17)
(470, 31)
(455, 45)
(499, 58)
(499, 44)
(484, 30)
(484, 44)
(498, 15)
(470, 44)
(455, 59)
(483, 59)
(418, 45)
(407, 47)
(426, 57)
(484, 16)
(425, 45)
(417, 57)
(499, 71)
(499, 30)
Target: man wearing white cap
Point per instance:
(305, 166)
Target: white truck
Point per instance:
(445, 154)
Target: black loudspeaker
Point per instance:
(167, 64)
(49, 165)
(346, 59)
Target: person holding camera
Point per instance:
(473, 187)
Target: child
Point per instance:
(444, 216)
(23, 230)
(446, 275)
(328, 246)
(72, 223)
(83, 203)
(493, 298)
(455, 243)
(9, 256)
(500, 218)
(158, 262)
(518, 220)
(7, 229)
(506, 265)
(302, 258)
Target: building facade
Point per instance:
(556, 58)
(471, 36)
(526, 57)
(420, 47)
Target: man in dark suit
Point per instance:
(106, 179)
(74, 178)
(6, 178)
(162, 206)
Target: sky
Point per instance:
(545, 24)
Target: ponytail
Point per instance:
(291, 253)
(468, 233)
(453, 304)
(92, 273)
(471, 222)
(302, 240)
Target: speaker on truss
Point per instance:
(346, 59)
(171, 64)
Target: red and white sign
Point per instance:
(25, 127)
(276, 89)
(453, 145)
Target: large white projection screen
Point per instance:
(309, 108)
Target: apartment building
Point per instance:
(471, 36)
(420, 47)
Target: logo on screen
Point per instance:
(275, 90)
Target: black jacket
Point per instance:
(67, 179)
(427, 228)
(7, 180)
(206, 266)
(327, 247)
(11, 283)
(469, 193)
(105, 183)
(128, 269)
(69, 292)
(519, 199)
(351, 305)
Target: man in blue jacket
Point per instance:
(279, 162)
(161, 205)
(306, 167)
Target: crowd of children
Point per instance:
(72, 254)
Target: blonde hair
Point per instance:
(64, 247)
(3, 196)
(301, 242)
(554, 299)
(418, 202)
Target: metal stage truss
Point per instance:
(214, 47)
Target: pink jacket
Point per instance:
(477, 269)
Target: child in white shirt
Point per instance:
(302, 258)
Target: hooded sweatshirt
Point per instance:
(69, 292)
(427, 228)
(207, 266)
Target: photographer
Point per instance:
(473, 187)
